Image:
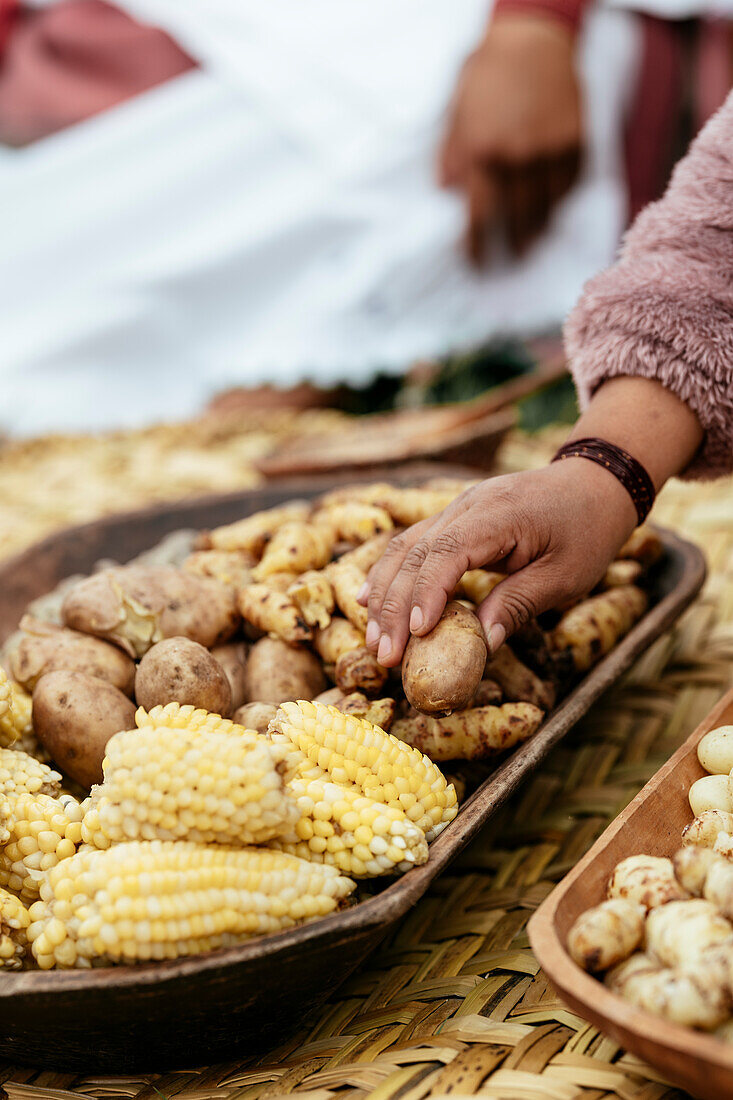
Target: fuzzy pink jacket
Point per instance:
(665, 309)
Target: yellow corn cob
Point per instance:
(43, 831)
(352, 750)
(14, 922)
(341, 826)
(294, 548)
(162, 900)
(253, 532)
(313, 596)
(207, 787)
(14, 710)
(177, 716)
(21, 773)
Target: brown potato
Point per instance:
(178, 670)
(136, 606)
(232, 656)
(278, 673)
(74, 716)
(255, 716)
(45, 647)
(442, 670)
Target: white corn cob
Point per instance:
(20, 772)
(43, 831)
(14, 922)
(204, 786)
(162, 900)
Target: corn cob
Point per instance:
(21, 773)
(592, 628)
(207, 787)
(252, 533)
(43, 831)
(273, 613)
(341, 826)
(178, 716)
(14, 922)
(313, 596)
(12, 711)
(295, 548)
(352, 750)
(162, 900)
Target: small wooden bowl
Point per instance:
(652, 824)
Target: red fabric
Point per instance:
(655, 110)
(8, 11)
(569, 12)
(73, 59)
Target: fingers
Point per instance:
(449, 157)
(410, 589)
(482, 202)
(389, 644)
(521, 597)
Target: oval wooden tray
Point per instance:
(651, 823)
(212, 1007)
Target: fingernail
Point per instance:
(363, 592)
(495, 637)
(385, 649)
(416, 620)
(372, 632)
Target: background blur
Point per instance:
(215, 213)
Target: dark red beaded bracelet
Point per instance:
(632, 475)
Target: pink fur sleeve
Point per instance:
(665, 309)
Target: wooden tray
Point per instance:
(209, 1008)
(651, 823)
(468, 431)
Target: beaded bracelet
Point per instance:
(632, 475)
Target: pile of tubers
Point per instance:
(663, 938)
(264, 611)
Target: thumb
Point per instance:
(521, 597)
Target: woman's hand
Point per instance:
(554, 531)
(514, 135)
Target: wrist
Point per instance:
(600, 497)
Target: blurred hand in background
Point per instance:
(513, 142)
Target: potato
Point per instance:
(45, 647)
(178, 670)
(255, 716)
(232, 656)
(136, 606)
(712, 792)
(442, 670)
(277, 673)
(74, 716)
(715, 750)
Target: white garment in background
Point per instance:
(273, 216)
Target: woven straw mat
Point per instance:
(455, 1000)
